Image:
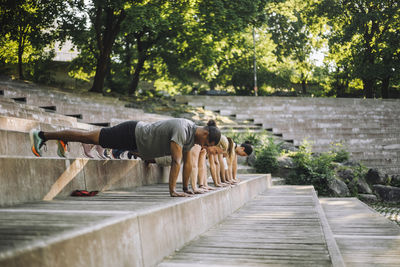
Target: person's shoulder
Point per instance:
(183, 122)
(141, 124)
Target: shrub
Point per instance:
(340, 153)
(267, 158)
(312, 170)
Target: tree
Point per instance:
(30, 23)
(369, 28)
(106, 17)
(292, 32)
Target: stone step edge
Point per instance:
(48, 178)
(333, 248)
(238, 196)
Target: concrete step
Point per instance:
(337, 136)
(33, 113)
(25, 125)
(292, 112)
(376, 128)
(224, 100)
(323, 114)
(17, 144)
(4, 99)
(292, 108)
(26, 179)
(136, 227)
(91, 109)
(227, 131)
(285, 126)
(239, 127)
(345, 130)
(15, 88)
(376, 143)
(96, 114)
(283, 226)
(381, 161)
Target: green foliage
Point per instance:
(361, 39)
(340, 153)
(29, 27)
(266, 157)
(40, 71)
(312, 170)
(174, 46)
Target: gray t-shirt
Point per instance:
(153, 139)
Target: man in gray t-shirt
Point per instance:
(173, 137)
(153, 139)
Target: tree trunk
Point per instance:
(303, 87)
(105, 42)
(136, 75)
(101, 70)
(368, 88)
(20, 54)
(385, 87)
(20, 72)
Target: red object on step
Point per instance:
(84, 193)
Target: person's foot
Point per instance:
(61, 148)
(188, 191)
(87, 150)
(36, 142)
(100, 151)
(176, 194)
(198, 191)
(204, 188)
(210, 188)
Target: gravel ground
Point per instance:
(390, 212)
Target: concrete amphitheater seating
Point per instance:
(133, 221)
(368, 128)
(39, 218)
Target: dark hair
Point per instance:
(247, 148)
(214, 135)
(212, 123)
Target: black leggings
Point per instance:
(121, 136)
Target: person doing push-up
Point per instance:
(173, 137)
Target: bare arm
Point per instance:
(176, 154)
(221, 167)
(234, 167)
(187, 171)
(213, 169)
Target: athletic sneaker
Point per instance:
(100, 151)
(62, 149)
(36, 142)
(116, 153)
(107, 153)
(88, 150)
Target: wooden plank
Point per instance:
(364, 237)
(279, 227)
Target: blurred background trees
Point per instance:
(306, 48)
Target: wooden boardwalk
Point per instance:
(364, 237)
(282, 226)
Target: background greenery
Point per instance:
(128, 47)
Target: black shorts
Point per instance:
(121, 136)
